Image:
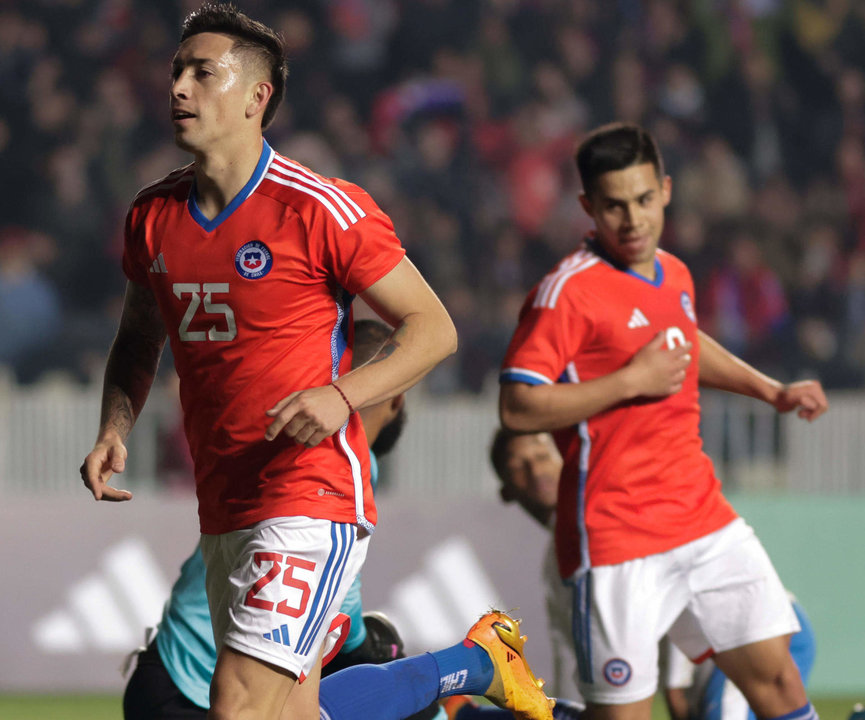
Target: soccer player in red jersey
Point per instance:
(247, 262)
(608, 356)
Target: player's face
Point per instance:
(628, 209)
(533, 466)
(210, 92)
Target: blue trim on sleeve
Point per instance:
(515, 376)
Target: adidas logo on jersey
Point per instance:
(637, 320)
(279, 635)
(158, 265)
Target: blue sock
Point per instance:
(464, 669)
(401, 688)
(391, 691)
(806, 712)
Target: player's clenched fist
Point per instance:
(658, 371)
(107, 457)
(309, 416)
(806, 397)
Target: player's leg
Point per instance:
(619, 613)
(245, 688)
(742, 614)
(303, 701)
(489, 662)
(274, 591)
(767, 676)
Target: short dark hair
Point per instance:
(249, 35)
(369, 336)
(616, 146)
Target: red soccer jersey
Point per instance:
(256, 303)
(635, 481)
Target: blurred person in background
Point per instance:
(30, 309)
(608, 355)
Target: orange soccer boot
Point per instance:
(514, 685)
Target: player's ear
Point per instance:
(667, 189)
(587, 204)
(261, 93)
(506, 493)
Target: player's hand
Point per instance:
(308, 416)
(806, 396)
(657, 371)
(107, 457)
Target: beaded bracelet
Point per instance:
(342, 395)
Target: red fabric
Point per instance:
(648, 486)
(288, 336)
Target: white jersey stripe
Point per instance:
(309, 191)
(352, 218)
(569, 267)
(332, 189)
(564, 266)
(563, 279)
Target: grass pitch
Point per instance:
(109, 707)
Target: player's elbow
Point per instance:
(515, 413)
(448, 341)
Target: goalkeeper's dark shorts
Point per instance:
(152, 695)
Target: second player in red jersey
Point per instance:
(637, 481)
(608, 356)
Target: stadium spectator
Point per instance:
(779, 83)
(607, 354)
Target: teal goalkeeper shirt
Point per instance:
(185, 636)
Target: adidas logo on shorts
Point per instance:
(279, 635)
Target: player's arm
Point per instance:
(654, 371)
(424, 335)
(129, 373)
(721, 370)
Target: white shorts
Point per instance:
(713, 594)
(275, 589)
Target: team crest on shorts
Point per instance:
(617, 672)
(688, 307)
(253, 260)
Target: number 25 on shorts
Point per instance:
(277, 561)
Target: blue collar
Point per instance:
(245, 192)
(659, 274)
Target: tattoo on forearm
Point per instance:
(388, 348)
(132, 362)
(117, 413)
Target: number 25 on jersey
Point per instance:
(204, 293)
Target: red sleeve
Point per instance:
(547, 338)
(363, 252)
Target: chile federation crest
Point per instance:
(253, 260)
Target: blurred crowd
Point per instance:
(460, 118)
